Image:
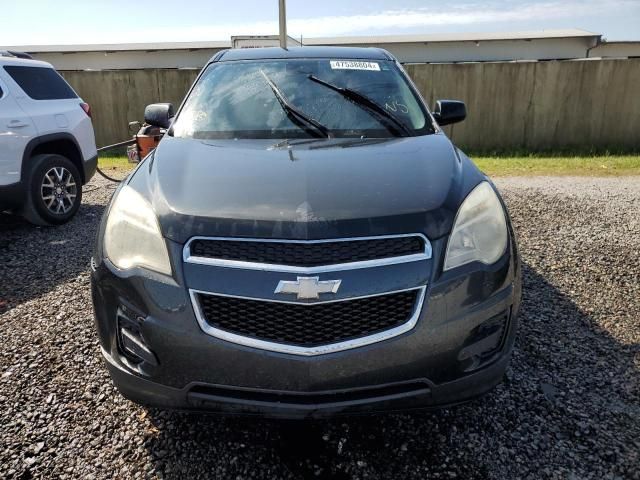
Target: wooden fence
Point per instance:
(533, 105)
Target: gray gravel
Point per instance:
(569, 408)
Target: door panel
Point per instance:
(16, 130)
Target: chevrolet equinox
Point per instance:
(305, 241)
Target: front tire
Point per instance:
(54, 190)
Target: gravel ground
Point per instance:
(569, 407)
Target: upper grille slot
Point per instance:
(312, 324)
(307, 254)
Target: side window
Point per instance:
(40, 83)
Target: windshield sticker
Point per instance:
(354, 65)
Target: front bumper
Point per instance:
(422, 368)
(400, 396)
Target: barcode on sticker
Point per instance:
(354, 65)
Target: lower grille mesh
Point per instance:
(308, 325)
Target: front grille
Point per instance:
(308, 325)
(308, 254)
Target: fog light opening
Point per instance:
(131, 344)
(484, 342)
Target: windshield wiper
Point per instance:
(299, 118)
(387, 119)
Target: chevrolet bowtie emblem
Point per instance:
(308, 287)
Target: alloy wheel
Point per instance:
(59, 190)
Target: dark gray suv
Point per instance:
(305, 241)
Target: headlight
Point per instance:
(479, 231)
(132, 236)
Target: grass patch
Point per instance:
(503, 166)
(120, 163)
(591, 166)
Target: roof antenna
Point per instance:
(283, 24)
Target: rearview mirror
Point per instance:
(159, 114)
(449, 111)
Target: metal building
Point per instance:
(431, 48)
(629, 49)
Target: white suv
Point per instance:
(47, 144)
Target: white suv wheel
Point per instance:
(59, 190)
(54, 190)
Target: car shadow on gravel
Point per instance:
(375, 446)
(566, 408)
(35, 260)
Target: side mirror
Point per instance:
(449, 111)
(159, 114)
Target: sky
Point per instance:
(47, 22)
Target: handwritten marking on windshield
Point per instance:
(394, 106)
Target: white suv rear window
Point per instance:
(40, 83)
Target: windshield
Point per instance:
(302, 99)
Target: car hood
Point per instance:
(305, 189)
